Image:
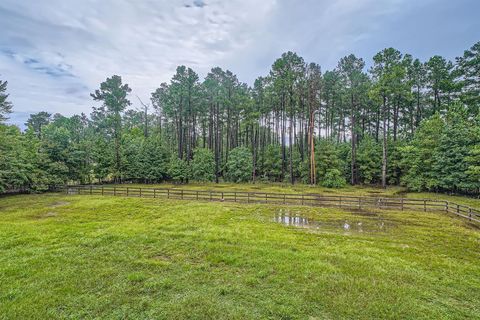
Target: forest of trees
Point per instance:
(401, 122)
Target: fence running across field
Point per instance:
(352, 202)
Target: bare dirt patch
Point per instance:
(162, 257)
(59, 204)
(49, 214)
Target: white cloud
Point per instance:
(50, 51)
(54, 53)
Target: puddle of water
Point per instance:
(296, 221)
(288, 218)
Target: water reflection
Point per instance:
(288, 218)
(295, 220)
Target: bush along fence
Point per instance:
(342, 201)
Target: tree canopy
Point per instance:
(403, 121)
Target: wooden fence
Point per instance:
(342, 201)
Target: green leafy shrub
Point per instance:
(203, 165)
(333, 179)
(178, 170)
(369, 160)
(239, 165)
(272, 163)
(327, 157)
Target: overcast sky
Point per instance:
(54, 53)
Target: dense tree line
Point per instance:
(401, 122)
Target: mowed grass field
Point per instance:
(84, 257)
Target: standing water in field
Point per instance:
(287, 218)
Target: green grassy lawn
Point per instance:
(81, 257)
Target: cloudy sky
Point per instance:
(54, 53)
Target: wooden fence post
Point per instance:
(458, 209)
(340, 198)
(154, 193)
(102, 190)
(114, 191)
(446, 206)
(402, 204)
(197, 194)
(140, 192)
(284, 198)
(248, 197)
(303, 199)
(359, 203)
(235, 196)
(425, 205)
(181, 194)
(168, 193)
(470, 213)
(127, 191)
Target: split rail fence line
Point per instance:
(342, 201)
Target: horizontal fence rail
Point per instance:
(342, 201)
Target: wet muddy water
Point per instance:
(369, 225)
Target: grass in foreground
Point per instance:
(110, 258)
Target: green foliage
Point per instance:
(369, 159)
(203, 165)
(422, 113)
(473, 169)
(24, 165)
(297, 163)
(327, 158)
(132, 157)
(272, 163)
(333, 179)
(473, 158)
(439, 81)
(418, 157)
(450, 166)
(178, 170)
(304, 169)
(37, 121)
(13, 172)
(144, 160)
(155, 160)
(442, 155)
(468, 74)
(103, 158)
(239, 165)
(113, 95)
(394, 169)
(5, 105)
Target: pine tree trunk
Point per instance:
(353, 179)
(384, 145)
